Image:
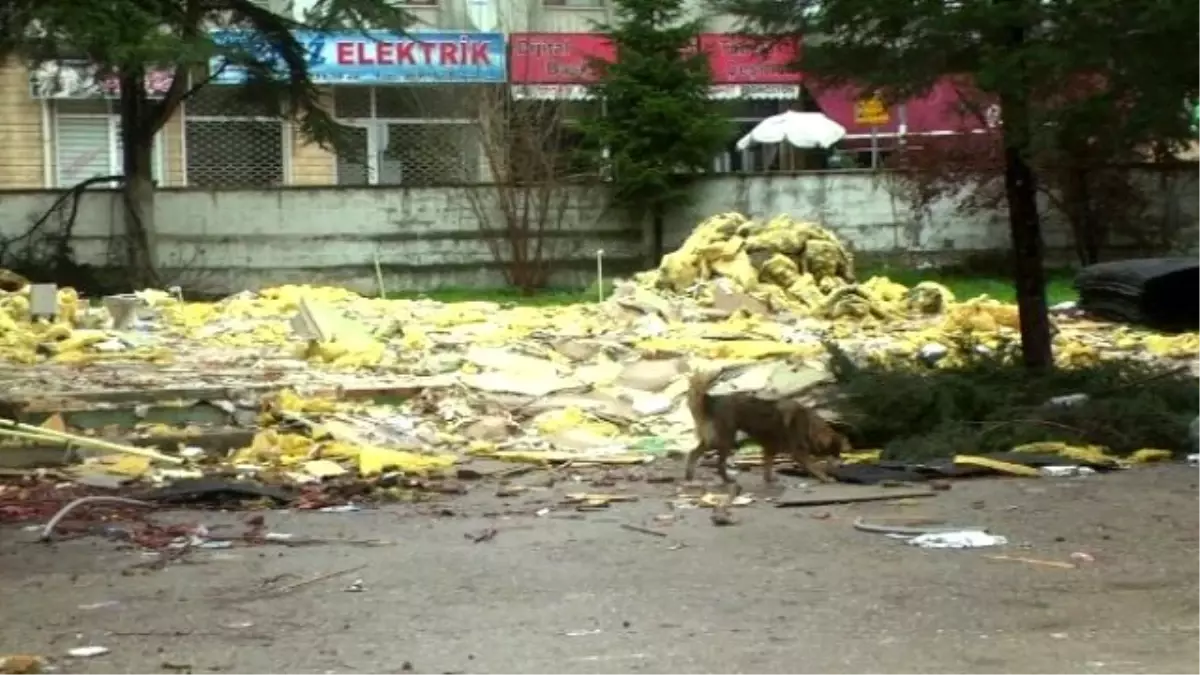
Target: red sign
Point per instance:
(952, 106)
(741, 59)
(949, 107)
(556, 58)
(564, 58)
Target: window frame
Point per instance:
(115, 159)
(286, 144)
(378, 136)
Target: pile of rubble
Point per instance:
(325, 385)
(785, 265)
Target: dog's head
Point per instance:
(838, 444)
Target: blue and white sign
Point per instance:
(380, 57)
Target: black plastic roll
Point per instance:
(1160, 293)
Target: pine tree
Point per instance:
(657, 127)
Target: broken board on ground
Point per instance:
(823, 495)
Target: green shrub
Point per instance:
(990, 403)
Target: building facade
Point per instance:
(413, 107)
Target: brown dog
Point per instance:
(781, 427)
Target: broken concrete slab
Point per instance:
(510, 383)
(651, 375)
(728, 300)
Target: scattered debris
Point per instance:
(721, 516)
(99, 605)
(1034, 561)
(487, 534)
(304, 583)
(356, 586)
(643, 530)
(957, 539)
(909, 527)
(87, 652)
(1065, 471)
(823, 495)
(48, 530)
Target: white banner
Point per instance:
(755, 92)
(722, 92)
(79, 80)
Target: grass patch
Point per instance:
(545, 298)
(965, 284)
(989, 403)
(962, 283)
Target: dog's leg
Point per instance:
(723, 452)
(768, 460)
(722, 439)
(689, 472)
(813, 467)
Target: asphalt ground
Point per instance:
(782, 590)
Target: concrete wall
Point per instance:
(425, 238)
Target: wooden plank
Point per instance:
(127, 417)
(823, 495)
(90, 399)
(217, 442)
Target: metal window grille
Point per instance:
(86, 137)
(411, 135)
(230, 144)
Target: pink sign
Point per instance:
(556, 58)
(740, 59)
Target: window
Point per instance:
(87, 143)
(229, 144)
(412, 135)
(575, 4)
(859, 152)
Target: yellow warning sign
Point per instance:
(871, 112)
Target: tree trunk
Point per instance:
(652, 238)
(1029, 250)
(1093, 237)
(1025, 226)
(137, 145)
(1084, 229)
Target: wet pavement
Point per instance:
(477, 584)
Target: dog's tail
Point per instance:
(697, 399)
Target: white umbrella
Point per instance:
(801, 129)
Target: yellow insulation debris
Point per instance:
(285, 450)
(788, 265)
(556, 421)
